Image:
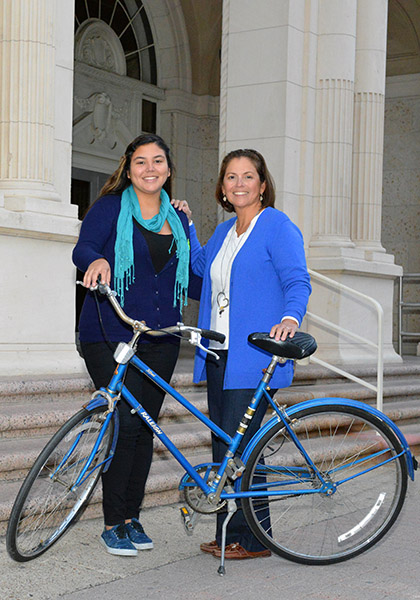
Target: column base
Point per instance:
(37, 320)
(375, 278)
(40, 360)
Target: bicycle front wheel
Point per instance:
(51, 497)
(365, 481)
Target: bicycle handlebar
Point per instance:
(140, 326)
(209, 334)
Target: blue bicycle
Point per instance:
(319, 483)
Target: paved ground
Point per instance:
(78, 568)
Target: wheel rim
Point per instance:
(314, 527)
(49, 503)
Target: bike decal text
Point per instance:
(151, 422)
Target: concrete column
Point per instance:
(268, 92)
(27, 55)
(345, 244)
(334, 124)
(369, 124)
(38, 225)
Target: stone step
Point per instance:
(71, 387)
(25, 417)
(162, 485)
(44, 417)
(17, 455)
(24, 429)
(32, 409)
(33, 389)
(394, 388)
(311, 373)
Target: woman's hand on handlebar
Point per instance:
(287, 327)
(182, 205)
(99, 267)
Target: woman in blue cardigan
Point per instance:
(254, 279)
(137, 242)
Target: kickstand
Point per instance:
(231, 510)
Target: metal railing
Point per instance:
(378, 346)
(406, 306)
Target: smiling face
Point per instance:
(148, 169)
(241, 184)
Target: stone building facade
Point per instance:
(303, 81)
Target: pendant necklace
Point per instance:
(222, 299)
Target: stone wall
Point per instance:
(401, 187)
(190, 124)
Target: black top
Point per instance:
(161, 247)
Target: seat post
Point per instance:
(270, 369)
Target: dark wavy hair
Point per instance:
(269, 194)
(119, 180)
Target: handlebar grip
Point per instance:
(213, 335)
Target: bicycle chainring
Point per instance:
(197, 499)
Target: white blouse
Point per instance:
(220, 273)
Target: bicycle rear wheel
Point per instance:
(352, 450)
(47, 504)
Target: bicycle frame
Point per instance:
(314, 447)
(117, 388)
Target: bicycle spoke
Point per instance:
(49, 500)
(354, 502)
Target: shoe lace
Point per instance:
(120, 532)
(137, 526)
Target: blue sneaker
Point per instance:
(116, 541)
(138, 538)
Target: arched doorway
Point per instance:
(115, 93)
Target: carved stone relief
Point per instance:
(103, 117)
(96, 44)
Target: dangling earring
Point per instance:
(224, 198)
(261, 198)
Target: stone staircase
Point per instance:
(32, 409)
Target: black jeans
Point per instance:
(226, 408)
(124, 482)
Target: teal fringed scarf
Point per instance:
(124, 273)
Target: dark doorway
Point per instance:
(85, 188)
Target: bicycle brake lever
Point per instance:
(216, 356)
(195, 340)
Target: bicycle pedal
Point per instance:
(187, 520)
(235, 468)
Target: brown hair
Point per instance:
(119, 179)
(269, 194)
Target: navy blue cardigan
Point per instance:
(151, 295)
(269, 280)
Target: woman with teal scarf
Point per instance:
(135, 240)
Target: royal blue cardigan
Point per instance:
(269, 280)
(151, 295)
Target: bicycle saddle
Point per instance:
(300, 346)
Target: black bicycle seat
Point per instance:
(299, 346)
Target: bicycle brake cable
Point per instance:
(104, 333)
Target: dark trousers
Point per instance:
(124, 482)
(226, 408)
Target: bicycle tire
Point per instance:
(316, 528)
(46, 507)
